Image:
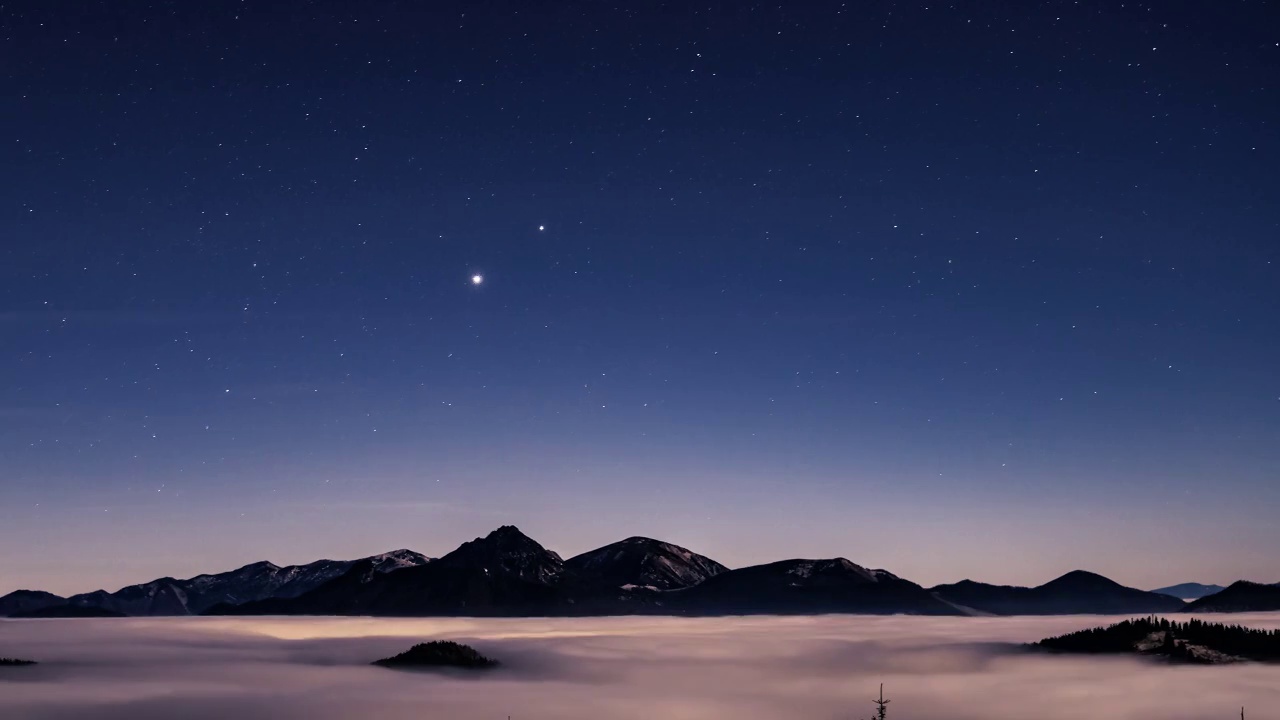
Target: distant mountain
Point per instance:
(641, 562)
(807, 587)
(503, 573)
(23, 601)
(1242, 596)
(158, 597)
(1189, 591)
(1077, 592)
(508, 573)
(507, 552)
(168, 596)
(68, 611)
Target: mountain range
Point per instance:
(1076, 593)
(168, 596)
(507, 573)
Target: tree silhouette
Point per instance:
(882, 709)
(1179, 637)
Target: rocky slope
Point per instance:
(169, 596)
(639, 562)
(806, 587)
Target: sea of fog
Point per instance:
(603, 668)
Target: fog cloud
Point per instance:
(823, 668)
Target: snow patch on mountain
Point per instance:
(643, 562)
(256, 581)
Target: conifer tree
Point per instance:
(882, 709)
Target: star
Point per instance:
(541, 228)
(477, 279)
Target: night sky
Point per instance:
(989, 290)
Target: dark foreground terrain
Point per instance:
(1193, 641)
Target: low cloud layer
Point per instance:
(825, 668)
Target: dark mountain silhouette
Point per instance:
(507, 573)
(1189, 591)
(807, 586)
(1242, 596)
(256, 581)
(1077, 592)
(504, 573)
(639, 562)
(158, 597)
(507, 551)
(22, 601)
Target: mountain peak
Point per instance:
(646, 563)
(506, 537)
(509, 550)
(402, 552)
(29, 593)
(1082, 579)
(811, 586)
(1077, 592)
(397, 560)
(20, 601)
(1240, 596)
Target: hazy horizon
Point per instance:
(763, 668)
(67, 586)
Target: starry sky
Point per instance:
(985, 290)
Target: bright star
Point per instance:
(477, 279)
(541, 228)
